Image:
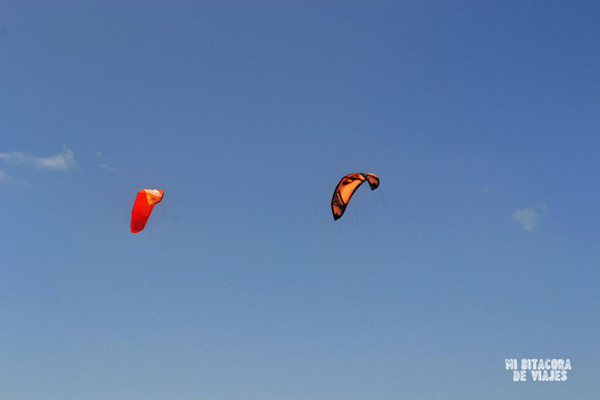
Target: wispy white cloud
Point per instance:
(108, 167)
(60, 162)
(527, 217)
(103, 165)
(3, 176)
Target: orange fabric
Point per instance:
(373, 180)
(144, 203)
(346, 188)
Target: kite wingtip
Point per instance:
(136, 228)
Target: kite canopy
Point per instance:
(346, 188)
(144, 203)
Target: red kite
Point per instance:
(144, 203)
(346, 188)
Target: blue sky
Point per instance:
(481, 243)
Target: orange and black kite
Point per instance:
(346, 188)
(144, 203)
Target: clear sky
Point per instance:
(481, 243)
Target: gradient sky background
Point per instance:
(481, 243)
